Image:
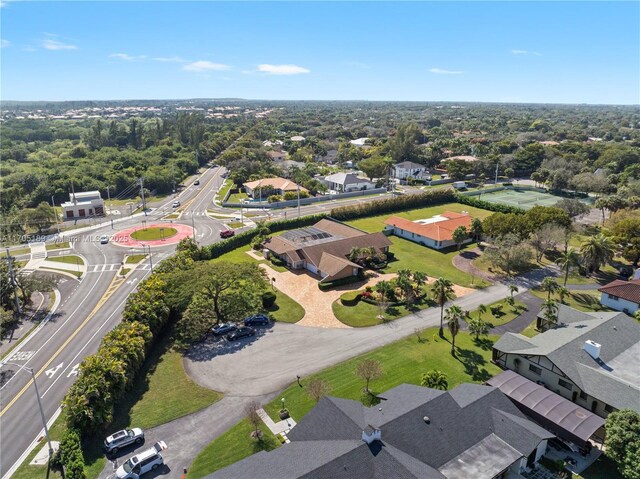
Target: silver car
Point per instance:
(120, 439)
(141, 463)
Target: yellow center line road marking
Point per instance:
(115, 284)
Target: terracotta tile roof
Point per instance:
(277, 183)
(438, 231)
(629, 290)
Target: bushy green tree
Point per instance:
(622, 442)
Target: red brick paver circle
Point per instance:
(124, 238)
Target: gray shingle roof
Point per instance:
(327, 443)
(607, 379)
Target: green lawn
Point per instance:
(69, 259)
(154, 233)
(403, 361)
(410, 255)
(77, 274)
(15, 252)
(135, 258)
(530, 331)
(235, 224)
(55, 246)
(285, 309)
(582, 300)
(237, 197)
(364, 314)
(509, 313)
(223, 190)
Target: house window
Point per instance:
(565, 384)
(535, 369)
(614, 298)
(608, 408)
(583, 395)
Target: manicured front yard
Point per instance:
(508, 313)
(285, 309)
(364, 314)
(582, 300)
(403, 361)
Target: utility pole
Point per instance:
(497, 166)
(193, 225)
(109, 198)
(144, 204)
(53, 203)
(13, 283)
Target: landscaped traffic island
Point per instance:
(155, 233)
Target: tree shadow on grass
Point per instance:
(483, 343)
(473, 362)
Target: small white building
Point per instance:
(359, 141)
(345, 182)
(83, 205)
(407, 169)
(621, 296)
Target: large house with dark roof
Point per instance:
(621, 295)
(472, 431)
(324, 247)
(435, 232)
(592, 359)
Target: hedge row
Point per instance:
(325, 286)
(218, 249)
(104, 377)
(69, 457)
(486, 205)
(391, 205)
(350, 298)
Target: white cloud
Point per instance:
(526, 52)
(282, 69)
(440, 71)
(171, 59)
(204, 66)
(53, 44)
(4, 43)
(127, 57)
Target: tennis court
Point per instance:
(525, 199)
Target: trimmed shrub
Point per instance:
(69, 456)
(338, 282)
(485, 205)
(268, 299)
(274, 199)
(351, 298)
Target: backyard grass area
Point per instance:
(403, 361)
(135, 258)
(69, 259)
(147, 234)
(55, 246)
(285, 309)
(582, 300)
(508, 313)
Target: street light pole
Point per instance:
(53, 203)
(44, 421)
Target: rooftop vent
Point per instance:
(592, 348)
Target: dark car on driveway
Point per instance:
(223, 328)
(242, 332)
(227, 233)
(256, 319)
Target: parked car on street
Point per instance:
(242, 332)
(120, 439)
(227, 233)
(142, 463)
(223, 328)
(256, 319)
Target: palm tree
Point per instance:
(562, 292)
(419, 280)
(478, 327)
(567, 260)
(435, 379)
(550, 285)
(550, 314)
(596, 251)
(513, 289)
(454, 315)
(442, 292)
(481, 310)
(403, 281)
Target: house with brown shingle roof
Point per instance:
(323, 248)
(435, 232)
(621, 295)
(270, 186)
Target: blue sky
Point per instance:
(540, 52)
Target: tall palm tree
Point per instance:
(596, 251)
(442, 292)
(419, 280)
(513, 289)
(567, 260)
(550, 313)
(454, 315)
(550, 285)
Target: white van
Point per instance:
(142, 463)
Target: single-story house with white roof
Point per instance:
(345, 182)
